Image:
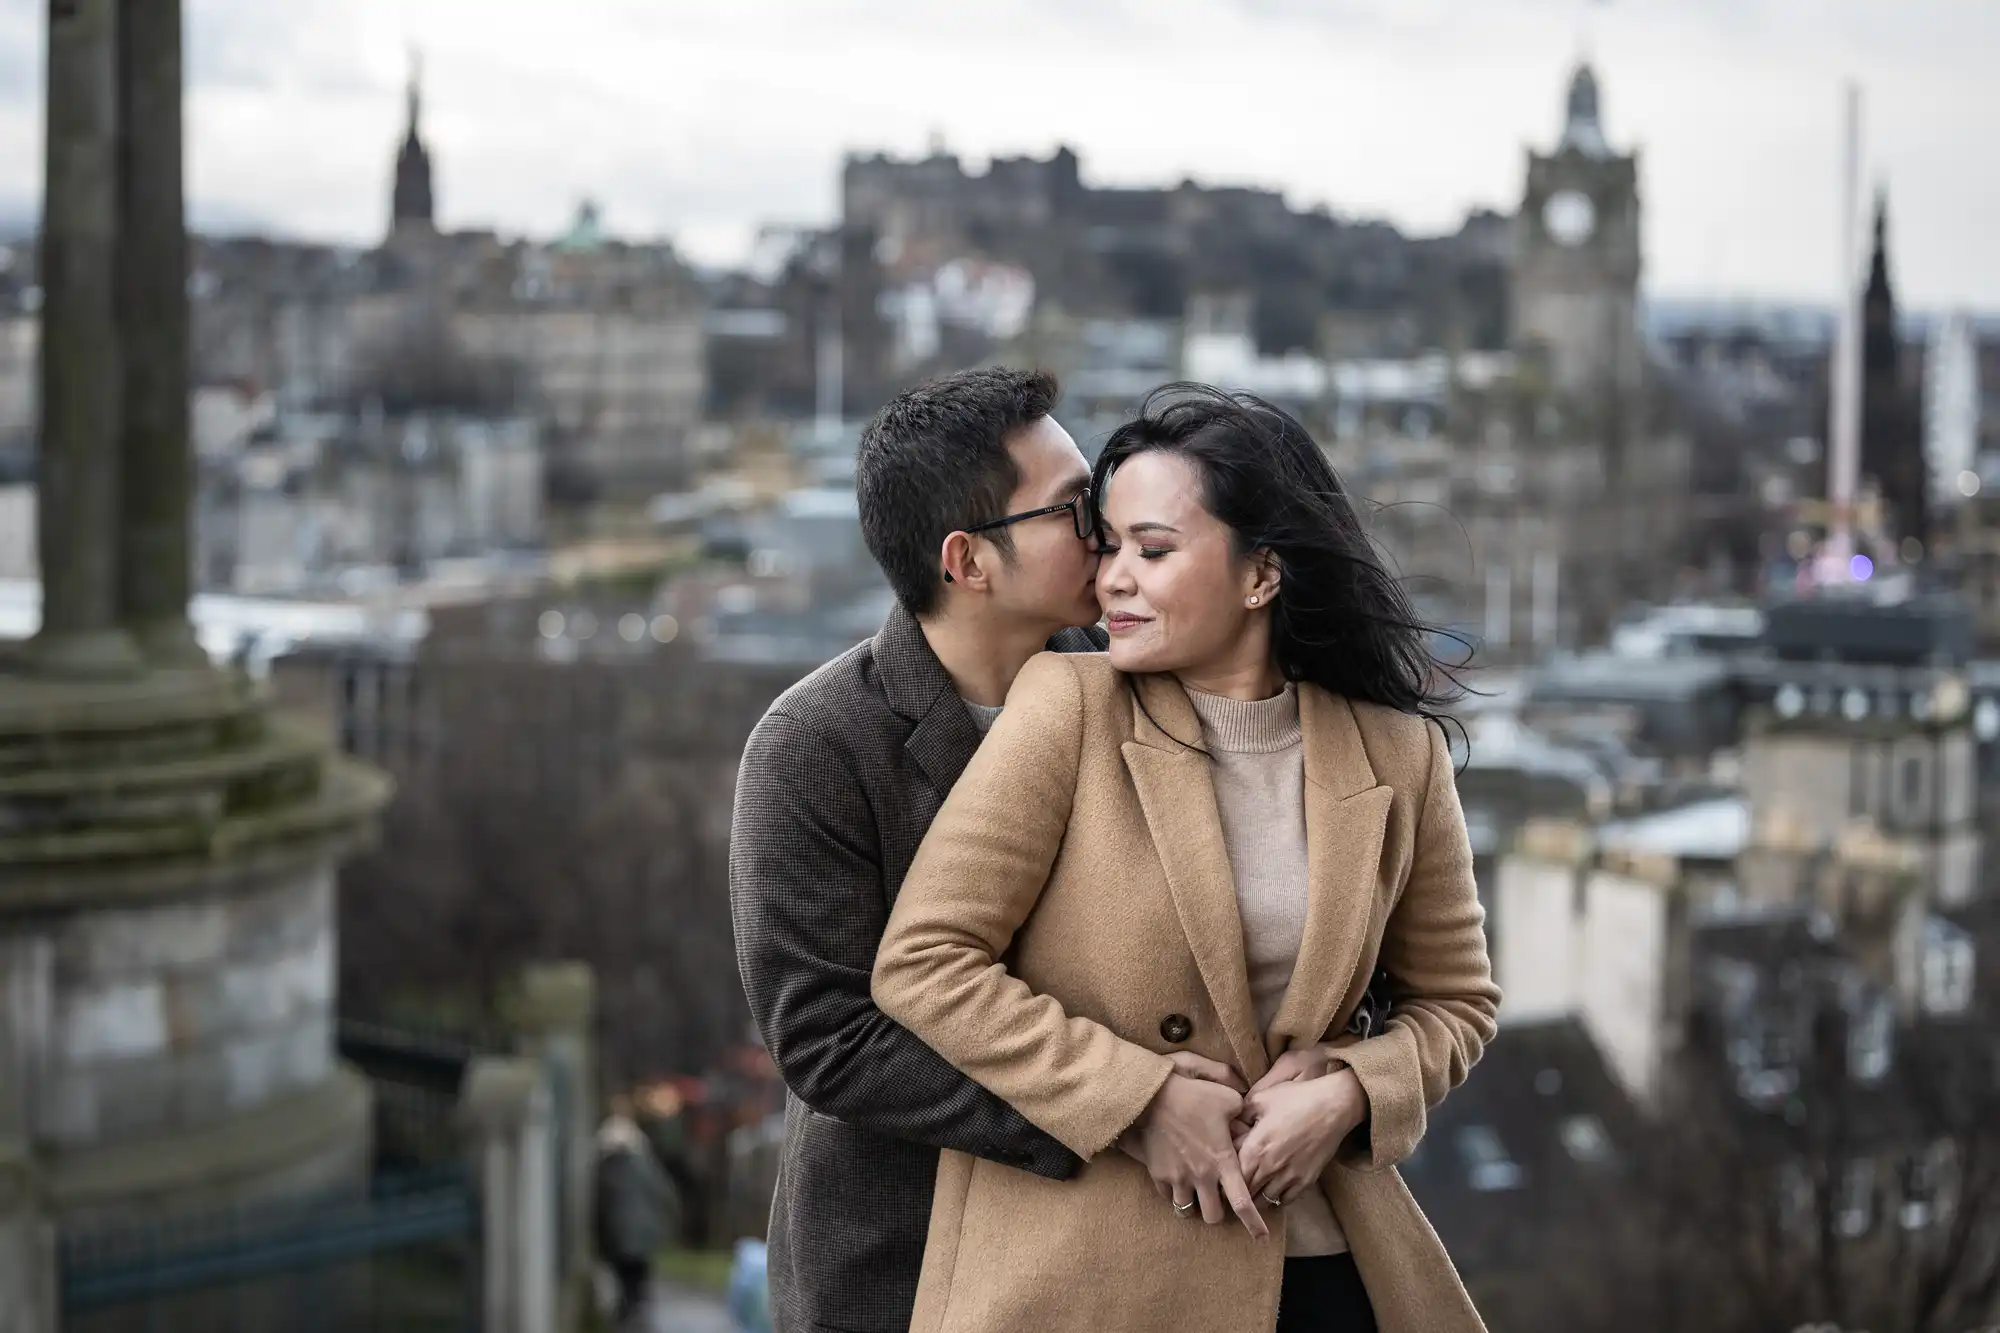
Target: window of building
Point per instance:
(1932, 1175)
(1795, 1199)
(1920, 1181)
(1870, 1040)
(1854, 1209)
(1487, 1165)
(1584, 1139)
(1912, 774)
(1947, 969)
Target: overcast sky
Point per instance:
(700, 119)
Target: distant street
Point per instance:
(681, 1310)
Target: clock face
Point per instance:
(1570, 217)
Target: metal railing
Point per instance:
(403, 1256)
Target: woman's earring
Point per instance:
(1253, 599)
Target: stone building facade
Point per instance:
(600, 338)
(1145, 253)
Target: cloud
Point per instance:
(704, 120)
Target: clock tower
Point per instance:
(1576, 261)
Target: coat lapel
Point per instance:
(918, 688)
(1347, 815)
(916, 685)
(943, 743)
(1178, 798)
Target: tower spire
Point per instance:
(1878, 263)
(1583, 125)
(411, 204)
(415, 93)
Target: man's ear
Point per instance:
(957, 556)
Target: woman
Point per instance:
(1168, 876)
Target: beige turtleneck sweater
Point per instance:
(1257, 761)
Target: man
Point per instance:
(975, 503)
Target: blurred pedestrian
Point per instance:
(633, 1202)
(749, 1289)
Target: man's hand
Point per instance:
(1183, 1140)
(1296, 1126)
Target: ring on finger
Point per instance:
(1275, 1203)
(1185, 1208)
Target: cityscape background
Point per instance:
(528, 348)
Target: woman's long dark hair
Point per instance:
(1341, 620)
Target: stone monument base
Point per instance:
(168, 946)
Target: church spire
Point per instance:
(411, 204)
(1878, 264)
(415, 95)
(1891, 421)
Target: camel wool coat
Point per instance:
(1071, 919)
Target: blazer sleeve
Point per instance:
(1444, 1003)
(809, 904)
(978, 875)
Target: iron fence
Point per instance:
(416, 1077)
(403, 1256)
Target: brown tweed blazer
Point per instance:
(1072, 910)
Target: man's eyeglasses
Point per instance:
(1082, 517)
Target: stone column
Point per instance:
(27, 1248)
(77, 474)
(505, 1110)
(27, 1236)
(155, 565)
(553, 1020)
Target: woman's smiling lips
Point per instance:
(1119, 621)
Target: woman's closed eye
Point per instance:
(1145, 552)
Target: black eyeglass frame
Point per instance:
(1083, 519)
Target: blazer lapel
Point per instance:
(943, 742)
(918, 688)
(1178, 798)
(1347, 815)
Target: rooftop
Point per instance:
(225, 624)
(1535, 1134)
(1712, 830)
(1612, 678)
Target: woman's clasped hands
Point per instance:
(1213, 1143)
(1294, 1121)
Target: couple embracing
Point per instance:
(1110, 914)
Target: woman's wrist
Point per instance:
(1346, 1099)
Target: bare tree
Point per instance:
(420, 365)
(564, 811)
(1863, 1203)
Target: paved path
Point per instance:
(678, 1310)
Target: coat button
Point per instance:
(1177, 1028)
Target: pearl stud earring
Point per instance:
(1253, 601)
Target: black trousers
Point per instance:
(1324, 1295)
(634, 1277)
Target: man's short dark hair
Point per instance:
(935, 460)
